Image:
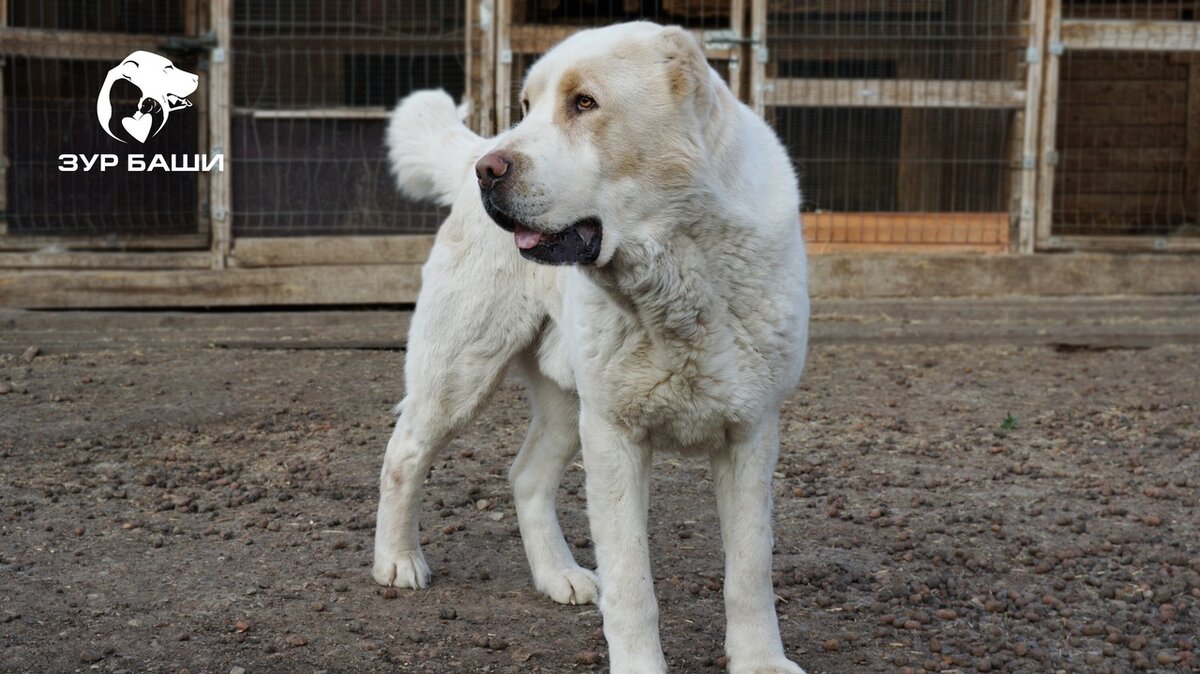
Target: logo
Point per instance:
(164, 89)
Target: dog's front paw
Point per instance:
(780, 666)
(407, 569)
(572, 585)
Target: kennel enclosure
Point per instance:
(921, 126)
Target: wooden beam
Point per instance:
(1047, 161)
(961, 232)
(373, 112)
(818, 93)
(504, 64)
(531, 38)
(220, 113)
(1027, 161)
(1191, 190)
(1130, 35)
(75, 45)
(103, 243)
(390, 284)
(330, 250)
(3, 132)
(758, 64)
(105, 260)
(1122, 244)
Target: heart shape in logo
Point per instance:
(138, 127)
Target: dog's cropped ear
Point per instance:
(687, 69)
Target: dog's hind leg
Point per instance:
(551, 443)
(472, 318)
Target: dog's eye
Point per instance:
(584, 102)
(524, 107)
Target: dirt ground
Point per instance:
(1003, 485)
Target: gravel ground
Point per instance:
(1007, 487)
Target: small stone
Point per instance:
(241, 626)
(28, 355)
(297, 641)
(831, 645)
(587, 658)
(482, 504)
(947, 614)
(447, 613)
(237, 670)
(390, 593)
(1152, 520)
(91, 655)
(79, 531)
(5, 387)
(1164, 658)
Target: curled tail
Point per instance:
(432, 153)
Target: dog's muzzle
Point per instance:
(577, 243)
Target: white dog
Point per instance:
(677, 318)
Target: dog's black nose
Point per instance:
(490, 169)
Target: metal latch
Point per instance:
(717, 39)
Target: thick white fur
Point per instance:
(686, 335)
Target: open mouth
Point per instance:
(578, 243)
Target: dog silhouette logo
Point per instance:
(163, 89)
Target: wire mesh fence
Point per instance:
(902, 116)
(906, 119)
(312, 84)
(56, 59)
(1128, 120)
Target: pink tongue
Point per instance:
(526, 238)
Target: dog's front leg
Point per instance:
(742, 478)
(618, 493)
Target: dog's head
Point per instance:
(163, 88)
(612, 137)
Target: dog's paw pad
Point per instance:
(575, 585)
(406, 569)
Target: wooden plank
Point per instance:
(220, 113)
(710, 10)
(381, 284)
(105, 260)
(758, 64)
(3, 132)
(372, 112)
(1192, 150)
(1031, 129)
(330, 250)
(102, 243)
(1122, 244)
(1155, 92)
(898, 231)
(75, 45)
(737, 24)
(1130, 35)
(504, 69)
(534, 38)
(1047, 161)
(487, 94)
(790, 92)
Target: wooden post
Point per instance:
(758, 60)
(219, 120)
(737, 23)
(1047, 162)
(504, 59)
(487, 61)
(1031, 137)
(1191, 191)
(3, 155)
